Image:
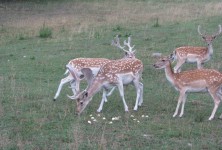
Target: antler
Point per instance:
(116, 43)
(128, 44)
(219, 31)
(214, 35)
(198, 29)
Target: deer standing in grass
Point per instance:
(94, 64)
(74, 79)
(199, 80)
(116, 73)
(192, 54)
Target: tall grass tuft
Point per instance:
(45, 32)
(156, 24)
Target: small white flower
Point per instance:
(116, 118)
(89, 122)
(142, 116)
(104, 118)
(92, 118)
(8, 60)
(110, 122)
(134, 119)
(90, 115)
(98, 115)
(147, 116)
(138, 121)
(189, 144)
(24, 56)
(131, 116)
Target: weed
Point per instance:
(156, 24)
(45, 32)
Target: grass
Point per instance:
(31, 68)
(45, 32)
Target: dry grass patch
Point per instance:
(79, 16)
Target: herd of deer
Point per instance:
(105, 74)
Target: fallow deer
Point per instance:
(116, 73)
(191, 54)
(198, 80)
(92, 63)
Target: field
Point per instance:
(32, 66)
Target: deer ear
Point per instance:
(87, 74)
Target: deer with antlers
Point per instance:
(199, 80)
(116, 73)
(192, 54)
(94, 64)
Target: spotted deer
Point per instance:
(94, 64)
(198, 80)
(74, 79)
(116, 73)
(191, 54)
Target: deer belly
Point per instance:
(126, 78)
(191, 60)
(197, 90)
(197, 86)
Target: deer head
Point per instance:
(209, 38)
(81, 101)
(130, 53)
(162, 62)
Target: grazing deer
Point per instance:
(192, 54)
(113, 74)
(92, 63)
(199, 80)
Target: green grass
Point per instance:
(31, 68)
(45, 32)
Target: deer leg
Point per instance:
(121, 91)
(104, 99)
(138, 93)
(213, 93)
(62, 82)
(178, 66)
(141, 94)
(181, 97)
(73, 86)
(199, 64)
(183, 104)
(110, 93)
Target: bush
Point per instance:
(45, 32)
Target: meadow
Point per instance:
(33, 65)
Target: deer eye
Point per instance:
(81, 103)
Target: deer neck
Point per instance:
(94, 87)
(210, 49)
(170, 74)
